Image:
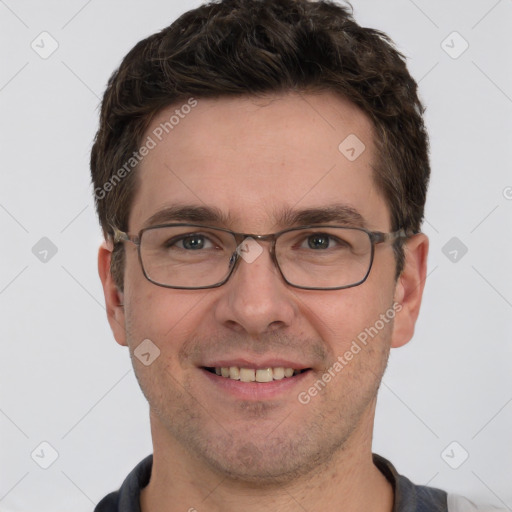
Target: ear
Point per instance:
(409, 289)
(114, 298)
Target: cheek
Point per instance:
(357, 331)
(163, 315)
(347, 311)
(166, 318)
(346, 315)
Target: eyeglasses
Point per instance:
(193, 256)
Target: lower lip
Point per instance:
(255, 390)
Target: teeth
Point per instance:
(247, 375)
(278, 373)
(266, 375)
(256, 375)
(234, 373)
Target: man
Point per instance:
(260, 175)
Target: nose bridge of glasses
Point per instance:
(258, 240)
(249, 247)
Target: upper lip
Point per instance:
(255, 363)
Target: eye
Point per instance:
(320, 241)
(193, 242)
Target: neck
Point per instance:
(180, 481)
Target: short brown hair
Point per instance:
(253, 47)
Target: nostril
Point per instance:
(275, 325)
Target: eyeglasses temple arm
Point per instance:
(119, 235)
(391, 237)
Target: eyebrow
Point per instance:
(188, 213)
(338, 213)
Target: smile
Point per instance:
(255, 374)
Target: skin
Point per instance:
(251, 158)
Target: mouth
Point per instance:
(260, 375)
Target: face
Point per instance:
(252, 162)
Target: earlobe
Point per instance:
(409, 289)
(114, 298)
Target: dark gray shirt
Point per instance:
(408, 497)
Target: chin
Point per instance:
(266, 462)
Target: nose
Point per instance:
(255, 300)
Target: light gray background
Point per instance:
(64, 380)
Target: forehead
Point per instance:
(258, 160)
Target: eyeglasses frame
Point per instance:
(376, 237)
